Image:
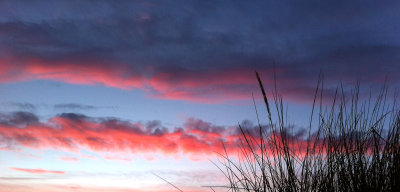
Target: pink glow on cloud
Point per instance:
(89, 157)
(118, 158)
(73, 133)
(36, 171)
(81, 72)
(220, 85)
(69, 159)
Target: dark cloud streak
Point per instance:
(74, 106)
(24, 106)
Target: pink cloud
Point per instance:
(71, 133)
(36, 171)
(205, 86)
(69, 159)
(118, 158)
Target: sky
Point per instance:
(105, 95)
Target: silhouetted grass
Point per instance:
(352, 145)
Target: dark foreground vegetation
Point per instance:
(352, 144)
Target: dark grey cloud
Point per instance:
(73, 116)
(74, 107)
(203, 126)
(344, 39)
(20, 118)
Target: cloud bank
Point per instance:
(199, 51)
(74, 132)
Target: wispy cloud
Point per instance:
(36, 171)
(23, 106)
(78, 107)
(69, 159)
(74, 106)
(19, 178)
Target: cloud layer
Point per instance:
(72, 132)
(199, 51)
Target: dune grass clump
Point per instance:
(351, 144)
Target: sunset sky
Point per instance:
(103, 95)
